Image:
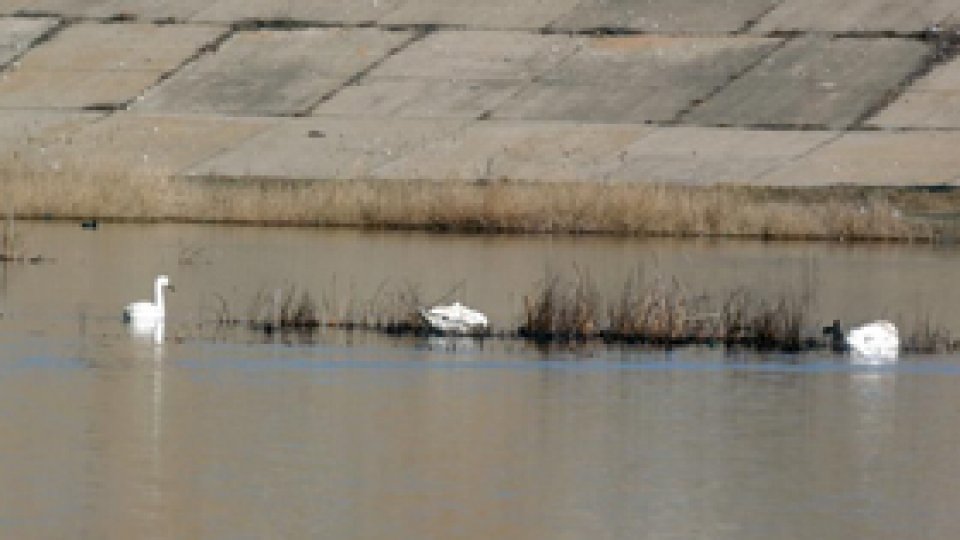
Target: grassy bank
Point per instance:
(847, 213)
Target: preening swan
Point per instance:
(146, 314)
(455, 319)
(877, 340)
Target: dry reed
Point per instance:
(663, 312)
(100, 192)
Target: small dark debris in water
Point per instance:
(89, 224)
(316, 134)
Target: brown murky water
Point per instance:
(205, 436)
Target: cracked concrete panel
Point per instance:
(17, 34)
(166, 144)
(418, 98)
(703, 156)
(272, 72)
(634, 79)
(327, 11)
(931, 102)
(494, 14)
(814, 81)
(537, 151)
(119, 47)
(665, 15)
(857, 15)
(477, 55)
(139, 9)
(326, 148)
(876, 159)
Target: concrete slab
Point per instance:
(493, 14)
(536, 151)
(32, 131)
(931, 102)
(479, 55)
(704, 156)
(326, 148)
(166, 144)
(856, 15)
(664, 15)
(119, 47)
(328, 11)
(91, 64)
(877, 158)
(272, 72)
(813, 81)
(419, 98)
(139, 9)
(72, 89)
(634, 79)
(18, 34)
(925, 110)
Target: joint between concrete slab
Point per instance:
(356, 77)
(736, 76)
(208, 47)
(944, 47)
(39, 40)
(750, 24)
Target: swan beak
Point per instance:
(171, 288)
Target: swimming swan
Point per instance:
(148, 314)
(877, 340)
(455, 319)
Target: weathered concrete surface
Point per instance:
(346, 11)
(540, 151)
(931, 102)
(165, 144)
(634, 79)
(814, 81)
(876, 159)
(33, 131)
(705, 156)
(857, 15)
(495, 14)
(419, 98)
(478, 55)
(92, 64)
(665, 15)
(272, 72)
(326, 148)
(16, 35)
(452, 74)
(140, 9)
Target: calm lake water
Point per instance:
(228, 435)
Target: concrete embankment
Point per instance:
(748, 92)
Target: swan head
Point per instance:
(163, 281)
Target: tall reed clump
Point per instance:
(663, 312)
(291, 308)
(763, 324)
(283, 309)
(116, 191)
(924, 337)
(561, 309)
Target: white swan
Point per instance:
(145, 315)
(877, 340)
(455, 319)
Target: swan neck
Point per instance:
(158, 295)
